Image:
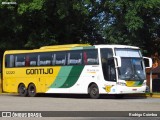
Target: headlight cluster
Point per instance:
(121, 83)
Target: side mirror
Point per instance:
(149, 61)
(118, 59)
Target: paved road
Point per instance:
(76, 103)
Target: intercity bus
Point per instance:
(75, 69)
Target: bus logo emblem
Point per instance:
(108, 88)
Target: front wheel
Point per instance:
(32, 90)
(94, 91)
(22, 90)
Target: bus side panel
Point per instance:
(82, 77)
(42, 80)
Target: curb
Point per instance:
(151, 95)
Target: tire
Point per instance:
(22, 91)
(32, 90)
(94, 91)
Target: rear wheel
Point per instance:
(22, 90)
(94, 91)
(32, 90)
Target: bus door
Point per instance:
(109, 73)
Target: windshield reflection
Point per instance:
(132, 69)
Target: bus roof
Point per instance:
(51, 48)
(116, 46)
(64, 46)
(69, 47)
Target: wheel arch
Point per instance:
(30, 84)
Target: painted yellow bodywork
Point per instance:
(41, 81)
(130, 83)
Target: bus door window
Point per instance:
(111, 70)
(106, 53)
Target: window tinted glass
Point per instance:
(32, 59)
(9, 61)
(90, 57)
(106, 53)
(126, 52)
(45, 59)
(75, 57)
(60, 58)
(20, 60)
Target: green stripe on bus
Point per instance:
(61, 77)
(73, 76)
(139, 83)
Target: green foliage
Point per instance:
(134, 22)
(34, 23)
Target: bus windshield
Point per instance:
(132, 69)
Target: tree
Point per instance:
(35, 23)
(132, 22)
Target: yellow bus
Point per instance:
(75, 68)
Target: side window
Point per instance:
(32, 59)
(60, 58)
(75, 57)
(20, 60)
(9, 61)
(45, 59)
(90, 57)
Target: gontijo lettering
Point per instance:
(39, 71)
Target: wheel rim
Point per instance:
(94, 91)
(22, 90)
(32, 90)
